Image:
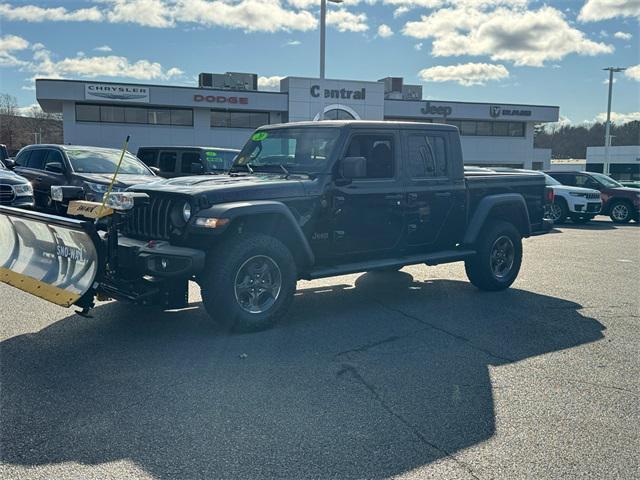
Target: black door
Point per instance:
(43, 167)
(435, 202)
(367, 213)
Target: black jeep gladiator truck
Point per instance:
(305, 201)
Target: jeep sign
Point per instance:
(442, 110)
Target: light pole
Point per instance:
(323, 28)
(607, 128)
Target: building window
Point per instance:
(501, 129)
(338, 114)
(227, 119)
(489, 129)
(142, 115)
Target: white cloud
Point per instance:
(418, 46)
(346, 21)
(9, 44)
(633, 73)
(293, 43)
(247, 15)
(103, 48)
(596, 10)
(398, 12)
(384, 31)
(525, 37)
(32, 13)
(619, 118)
(269, 83)
(623, 35)
(104, 66)
(466, 74)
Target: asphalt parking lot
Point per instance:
(414, 374)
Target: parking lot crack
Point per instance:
(368, 346)
(353, 372)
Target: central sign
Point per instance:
(340, 93)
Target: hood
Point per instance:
(629, 191)
(225, 188)
(123, 180)
(568, 188)
(11, 178)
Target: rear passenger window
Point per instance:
(167, 162)
(378, 151)
(427, 156)
(54, 157)
(187, 159)
(37, 159)
(149, 157)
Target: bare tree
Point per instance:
(8, 113)
(44, 126)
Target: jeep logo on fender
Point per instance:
(220, 99)
(442, 111)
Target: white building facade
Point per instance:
(624, 161)
(103, 114)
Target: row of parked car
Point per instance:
(580, 196)
(27, 179)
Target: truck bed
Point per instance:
(530, 185)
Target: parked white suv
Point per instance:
(579, 204)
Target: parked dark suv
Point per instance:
(88, 167)
(621, 203)
(172, 162)
(14, 189)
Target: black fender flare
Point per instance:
(256, 208)
(512, 201)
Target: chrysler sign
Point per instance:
(116, 93)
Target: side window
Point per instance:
(53, 157)
(167, 162)
(584, 181)
(23, 158)
(187, 159)
(37, 159)
(427, 156)
(378, 151)
(149, 157)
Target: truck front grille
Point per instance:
(593, 196)
(7, 194)
(153, 221)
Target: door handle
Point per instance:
(443, 194)
(393, 197)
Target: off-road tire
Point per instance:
(218, 281)
(617, 207)
(479, 268)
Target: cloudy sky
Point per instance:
(521, 51)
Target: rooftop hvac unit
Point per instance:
(412, 92)
(228, 81)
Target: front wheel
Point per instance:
(249, 282)
(620, 212)
(496, 263)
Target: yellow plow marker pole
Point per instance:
(115, 174)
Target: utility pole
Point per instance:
(607, 128)
(323, 31)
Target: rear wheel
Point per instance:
(558, 211)
(496, 264)
(620, 212)
(249, 282)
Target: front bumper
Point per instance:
(587, 208)
(158, 258)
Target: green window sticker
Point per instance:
(259, 136)
(212, 154)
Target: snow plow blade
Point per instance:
(54, 258)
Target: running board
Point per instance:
(446, 256)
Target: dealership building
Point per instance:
(225, 108)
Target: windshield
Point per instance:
(298, 150)
(604, 180)
(549, 180)
(105, 161)
(219, 160)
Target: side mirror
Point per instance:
(54, 167)
(155, 170)
(197, 168)
(353, 167)
(10, 163)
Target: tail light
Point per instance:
(550, 195)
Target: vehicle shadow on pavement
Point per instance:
(362, 381)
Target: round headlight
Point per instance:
(186, 211)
